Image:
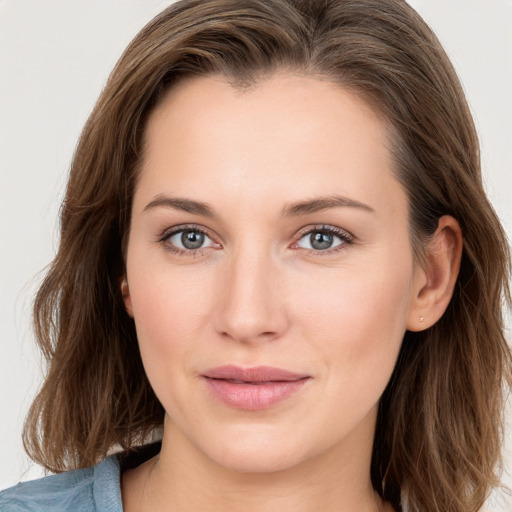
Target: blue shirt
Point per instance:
(95, 489)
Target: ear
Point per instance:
(434, 282)
(125, 292)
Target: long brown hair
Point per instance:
(438, 436)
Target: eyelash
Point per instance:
(165, 237)
(345, 237)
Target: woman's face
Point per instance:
(270, 269)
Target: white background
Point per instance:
(55, 57)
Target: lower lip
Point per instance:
(253, 397)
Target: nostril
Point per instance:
(249, 337)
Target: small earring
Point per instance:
(421, 318)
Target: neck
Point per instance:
(181, 478)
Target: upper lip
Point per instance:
(254, 374)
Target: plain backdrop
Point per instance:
(55, 56)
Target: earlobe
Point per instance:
(434, 284)
(125, 292)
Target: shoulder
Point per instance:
(82, 490)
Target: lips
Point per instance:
(254, 388)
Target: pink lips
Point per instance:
(254, 388)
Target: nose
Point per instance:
(251, 306)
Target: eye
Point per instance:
(323, 239)
(188, 239)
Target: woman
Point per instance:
(275, 246)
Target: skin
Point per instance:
(257, 293)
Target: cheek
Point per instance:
(356, 320)
(170, 307)
(170, 316)
(165, 311)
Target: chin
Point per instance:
(256, 460)
(262, 453)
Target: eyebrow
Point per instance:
(292, 210)
(178, 203)
(323, 203)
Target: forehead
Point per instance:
(278, 102)
(290, 133)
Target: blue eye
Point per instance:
(323, 239)
(193, 239)
(189, 239)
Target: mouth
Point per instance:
(254, 388)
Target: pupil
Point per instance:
(192, 239)
(321, 240)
